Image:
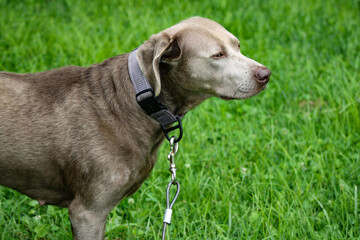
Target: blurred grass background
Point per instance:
(282, 165)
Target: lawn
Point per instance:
(284, 164)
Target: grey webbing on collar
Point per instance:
(145, 94)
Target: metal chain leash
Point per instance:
(174, 146)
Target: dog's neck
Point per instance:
(178, 99)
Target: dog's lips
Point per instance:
(226, 98)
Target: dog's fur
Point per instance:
(75, 137)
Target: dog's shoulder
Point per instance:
(53, 85)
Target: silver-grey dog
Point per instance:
(76, 137)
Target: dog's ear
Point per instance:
(159, 48)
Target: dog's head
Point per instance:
(204, 58)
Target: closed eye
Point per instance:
(218, 55)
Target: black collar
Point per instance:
(147, 100)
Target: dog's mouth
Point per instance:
(227, 98)
(248, 94)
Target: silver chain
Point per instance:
(174, 146)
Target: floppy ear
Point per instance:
(159, 48)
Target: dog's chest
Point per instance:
(124, 180)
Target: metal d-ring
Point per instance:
(178, 126)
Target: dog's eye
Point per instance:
(219, 55)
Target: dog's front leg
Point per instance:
(87, 224)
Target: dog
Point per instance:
(76, 137)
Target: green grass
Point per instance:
(282, 165)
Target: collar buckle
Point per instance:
(149, 102)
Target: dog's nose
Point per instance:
(262, 75)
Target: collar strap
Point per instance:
(147, 100)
